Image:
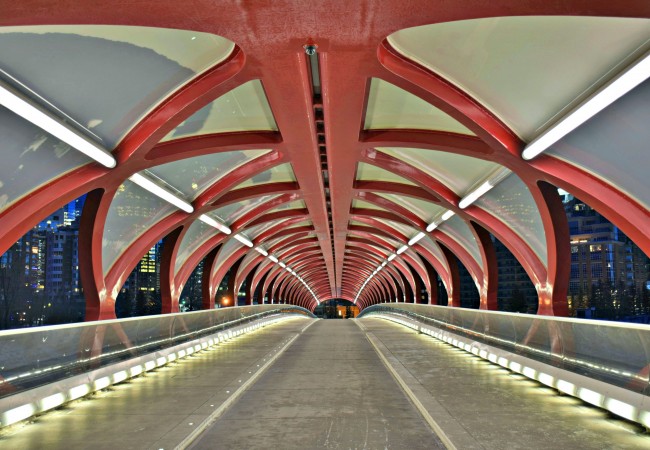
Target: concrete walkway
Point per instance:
(328, 390)
(331, 389)
(481, 405)
(160, 409)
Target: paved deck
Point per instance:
(328, 389)
(481, 405)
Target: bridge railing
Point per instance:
(612, 352)
(33, 357)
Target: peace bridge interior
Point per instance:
(366, 151)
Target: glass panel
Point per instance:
(278, 174)
(511, 202)
(132, 212)
(368, 172)
(196, 235)
(366, 205)
(394, 241)
(457, 172)
(232, 212)
(614, 144)
(228, 248)
(106, 78)
(393, 107)
(614, 353)
(192, 176)
(297, 204)
(50, 355)
(425, 210)
(459, 231)
(255, 231)
(434, 248)
(504, 62)
(406, 230)
(245, 108)
(30, 157)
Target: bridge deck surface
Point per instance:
(328, 389)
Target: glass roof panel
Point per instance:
(296, 204)
(368, 172)
(105, 78)
(197, 234)
(192, 176)
(132, 212)
(504, 62)
(433, 247)
(227, 249)
(457, 172)
(406, 230)
(230, 213)
(261, 228)
(392, 107)
(245, 108)
(366, 205)
(613, 145)
(30, 157)
(512, 202)
(458, 230)
(278, 174)
(425, 210)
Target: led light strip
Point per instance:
(621, 85)
(604, 400)
(213, 223)
(26, 109)
(152, 187)
(23, 412)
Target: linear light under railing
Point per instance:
(152, 187)
(213, 223)
(628, 80)
(26, 109)
(243, 240)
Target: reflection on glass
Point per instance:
(30, 157)
(104, 77)
(192, 176)
(245, 108)
(132, 212)
(392, 107)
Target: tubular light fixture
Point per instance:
(402, 249)
(152, 187)
(475, 195)
(243, 240)
(416, 238)
(448, 215)
(261, 251)
(273, 258)
(26, 109)
(281, 264)
(384, 264)
(432, 226)
(628, 80)
(392, 257)
(213, 223)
